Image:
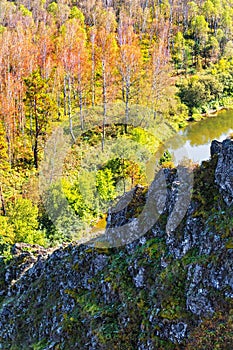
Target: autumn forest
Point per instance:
(78, 63)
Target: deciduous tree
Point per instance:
(39, 108)
(130, 62)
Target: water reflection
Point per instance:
(194, 141)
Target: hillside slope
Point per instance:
(150, 294)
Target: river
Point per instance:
(193, 142)
(197, 136)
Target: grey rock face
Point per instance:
(216, 147)
(224, 171)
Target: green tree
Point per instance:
(23, 221)
(192, 93)
(198, 91)
(214, 87)
(25, 12)
(7, 235)
(123, 169)
(199, 29)
(39, 108)
(209, 11)
(105, 184)
(166, 157)
(211, 50)
(178, 50)
(4, 168)
(4, 161)
(77, 14)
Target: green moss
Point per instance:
(75, 267)
(206, 193)
(40, 345)
(229, 243)
(222, 221)
(213, 333)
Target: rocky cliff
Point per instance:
(163, 291)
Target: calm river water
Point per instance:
(196, 138)
(193, 142)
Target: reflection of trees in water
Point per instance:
(212, 128)
(197, 134)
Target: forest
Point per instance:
(102, 70)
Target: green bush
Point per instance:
(23, 222)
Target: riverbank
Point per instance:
(214, 112)
(196, 117)
(196, 137)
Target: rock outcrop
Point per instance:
(224, 171)
(150, 294)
